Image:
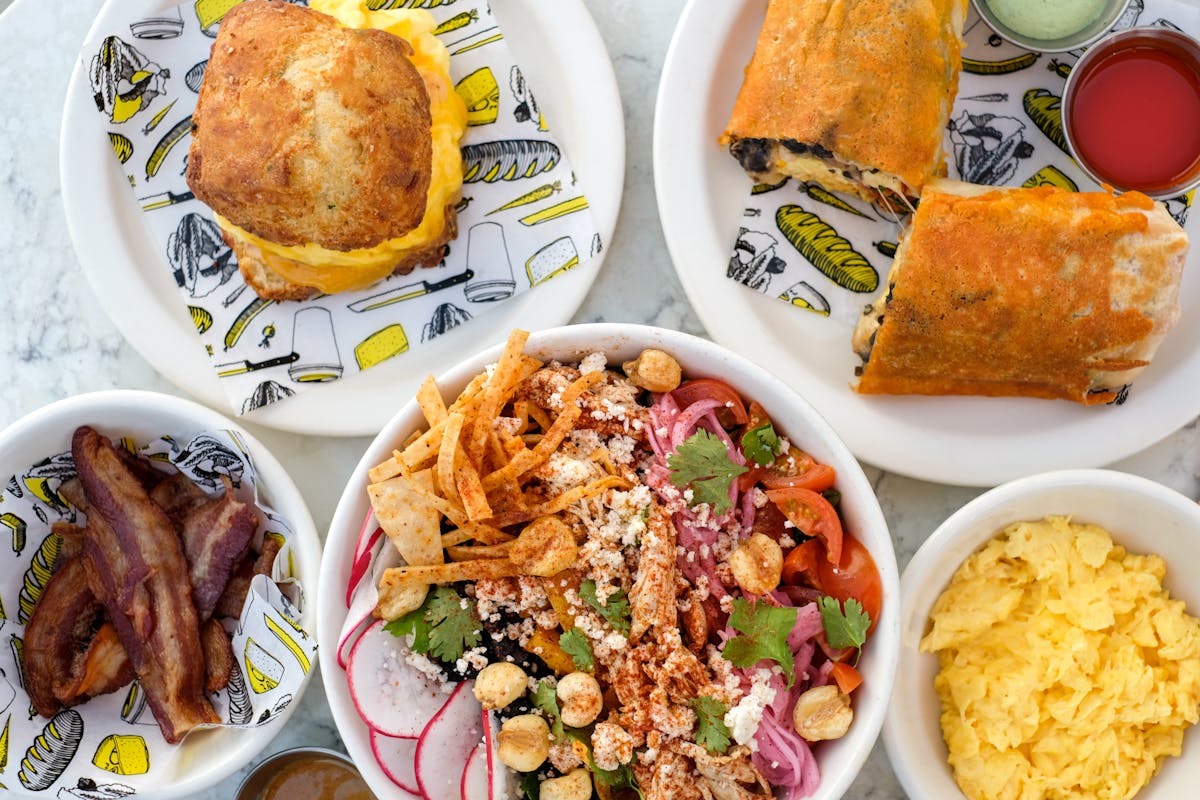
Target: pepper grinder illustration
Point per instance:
(487, 257)
(314, 340)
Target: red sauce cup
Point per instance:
(1131, 111)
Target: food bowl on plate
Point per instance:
(1131, 111)
(1142, 516)
(838, 761)
(1051, 27)
(110, 743)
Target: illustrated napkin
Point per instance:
(523, 219)
(111, 746)
(1005, 130)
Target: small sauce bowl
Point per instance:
(1131, 111)
(1046, 35)
(305, 773)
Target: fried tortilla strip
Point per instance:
(451, 573)
(526, 460)
(500, 386)
(418, 454)
(409, 519)
(447, 458)
(233, 599)
(65, 615)
(136, 568)
(216, 536)
(429, 398)
(218, 656)
(460, 552)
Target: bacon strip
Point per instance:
(233, 599)
(102, 668)
(137, 569)
(216, 536)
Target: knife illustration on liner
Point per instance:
(164, 199)
(407, 292)
(246, 365)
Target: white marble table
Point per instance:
(56, 342)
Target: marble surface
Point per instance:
(57, 342)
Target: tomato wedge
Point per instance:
(813, 516)
(689, 392)
(846, 677)
(817, 478)
(803, 560)
(855, 576)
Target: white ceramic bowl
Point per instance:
(207, 757)
(1143, 516)
(840, 761)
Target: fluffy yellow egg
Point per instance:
(1067, 671)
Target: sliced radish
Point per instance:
(397, 759)
(362, 564)
(502, 781)
(391, 696)
(364, 602)
(446, 744)
(475, 784)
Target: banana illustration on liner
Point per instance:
(540, 193)
(826, 250)
(830, 199)
(481, 94)
(48, 757)
(263, 670)
(1050, 175)
(123, 755)
(166, 144)
(508, 160)
(461, 20)
(1060, 68)
(556, 211)
(37, 576)
(1005, 67)
(121, 146)
(202, 318)
(243, 321)
(18, 528)
(763, 188)
(1045, 109)
(289, 642)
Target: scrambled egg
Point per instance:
(309, 264)
(1066, 669)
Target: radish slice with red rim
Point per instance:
(391, 696)
(476, 783)
(397, 758)
(449, 739)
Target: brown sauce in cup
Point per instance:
(318, 778)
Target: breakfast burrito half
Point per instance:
(851, 94)
(1024, 292)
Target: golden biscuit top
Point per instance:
(306, 131)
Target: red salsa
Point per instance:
(1135, 115)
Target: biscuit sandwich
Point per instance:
(328, 144)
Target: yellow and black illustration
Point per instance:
(111, 745)
(826, 250)
(146, 78)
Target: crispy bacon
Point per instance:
(234, 597)
(136, 567)
(216, 536)
(102, 668)
(218, 656)
(177, 495)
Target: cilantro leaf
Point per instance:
(765, 630)
(545, 699)
(615, 609)
(619, 778)
(711, 730)
(847, 629)
(575, 644)
(445, 626)
(761, 444)
(702, 462)
(531, 785)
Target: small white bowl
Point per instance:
(206, 757)
(840, 761)
(1143, 516)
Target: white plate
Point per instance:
(576, 88)
(959, 440)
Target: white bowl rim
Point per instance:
(284, 496)
(898, 738)
(348, 517)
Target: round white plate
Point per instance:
(959, 440)
(577, 90)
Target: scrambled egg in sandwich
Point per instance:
(328, 144)
(1067, 671)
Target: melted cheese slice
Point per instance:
(342, 270)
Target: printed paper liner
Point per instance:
(523, 219)
(111, 746)
(830, 253)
